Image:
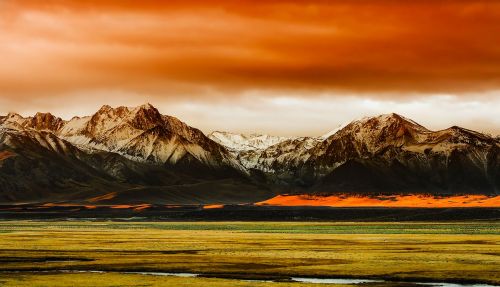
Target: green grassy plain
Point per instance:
(252, 250)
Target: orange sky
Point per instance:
(219, 53)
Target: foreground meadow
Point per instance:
(42, 253)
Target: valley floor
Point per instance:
(51, 253)
(148, 212)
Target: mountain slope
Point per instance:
(42, 166)
(391, 153)
(124, 150)
(137, 155)
(37, 166)
(242, 142)
(142, 133)
(383, 154)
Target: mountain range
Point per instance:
(128, 155)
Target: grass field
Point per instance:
(436, 252)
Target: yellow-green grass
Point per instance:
(413, 251)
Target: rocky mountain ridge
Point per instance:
(142, 155)
(139, 133)
(387, 153)
(242, 142)
(116, 149)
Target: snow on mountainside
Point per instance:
(279, 154)
(139, 154)
(374, 134)
(139, 133)
(12, 121)
(334, 131)
(46, 140)
(262, 152)
(38, 167)
(242, 142)
(279, 157)
(389, 152)
(382, 154)
(41, 121)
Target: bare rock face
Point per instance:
(45, 121)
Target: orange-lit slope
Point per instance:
(5, 154)
(384, 201)
(213, 206)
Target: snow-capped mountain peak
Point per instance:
(12, 120)
(139, 133)
(12, 115)
(243, 142)
(143, 133)
(334, 131)
(387, 152)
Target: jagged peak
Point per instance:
(12, 118)
(146, 106)
(456, 128)
(234, 135)
(146, 116)
(391, 117)
(141, 117)
(40, 115)
(104, 108)
(246, 135)
(376, 131)
(383, 120)
(245, 142)
(124, 109)
(14, 115)
(45, 121)
(404, 119)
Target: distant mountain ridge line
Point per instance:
(124, 149)
(45, 117)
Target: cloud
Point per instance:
(288, 115)
(186, 47)
(279, 66)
